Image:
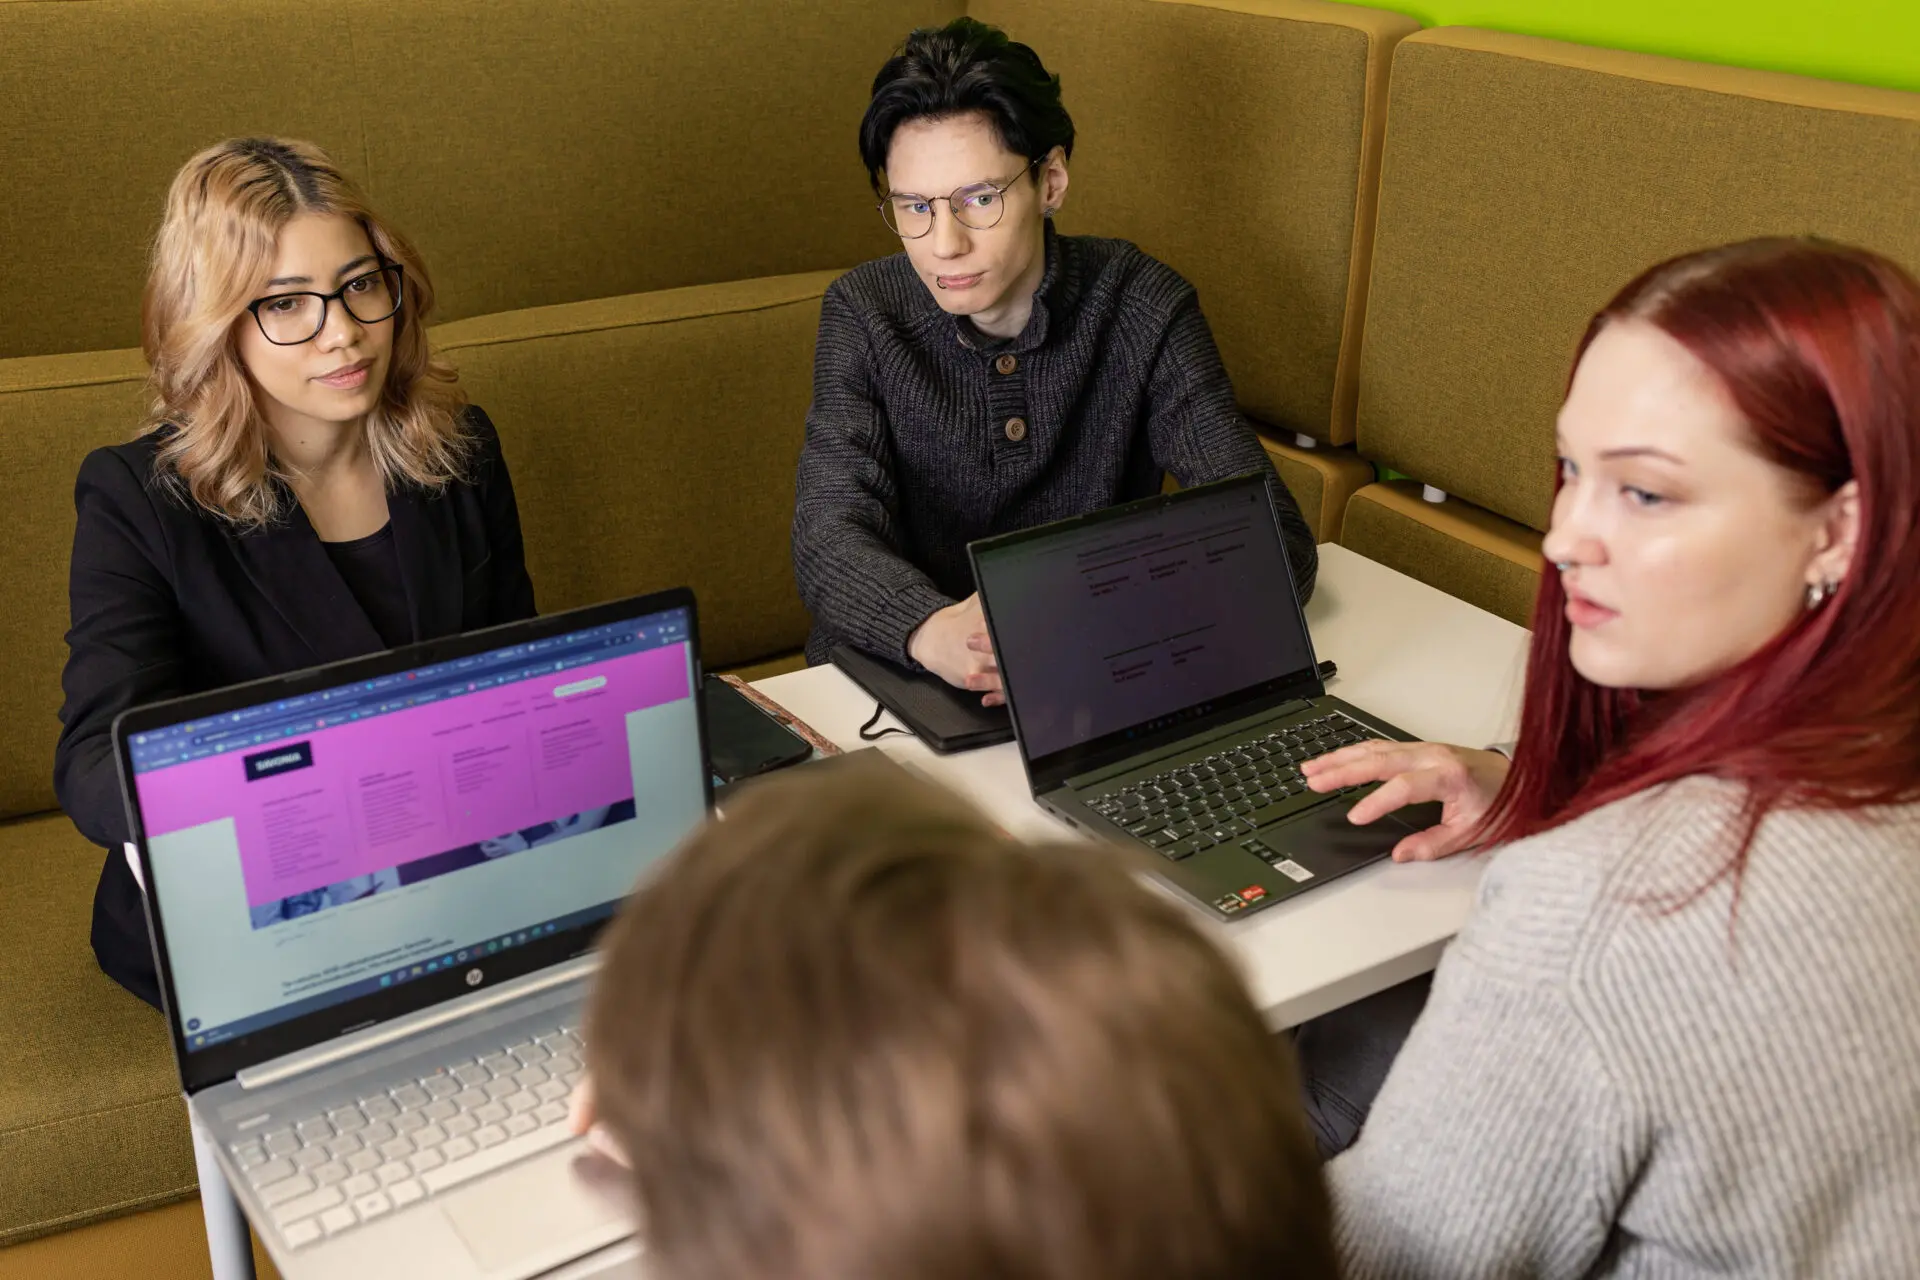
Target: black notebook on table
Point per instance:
(945, 718)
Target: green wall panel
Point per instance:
(1873, 42)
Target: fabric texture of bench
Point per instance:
(1526, 181)
(1237, 142)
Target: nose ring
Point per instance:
(1563, 565)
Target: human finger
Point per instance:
(580, 1108)
(607, 1145)
(1357, 765)
(1395, 793)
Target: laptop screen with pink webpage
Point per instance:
(314, 849)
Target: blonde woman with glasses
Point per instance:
(309, 485)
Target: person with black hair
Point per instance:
(994, 375)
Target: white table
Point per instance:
(1435, 666)
(1431, 664)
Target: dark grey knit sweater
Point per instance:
(925, 435)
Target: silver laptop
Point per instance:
(373, 888)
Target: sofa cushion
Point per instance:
(1321, 481)
(1525, 181)
(168, 1243)
(539, 151)
(1473, 554)
(83, 81)
(652, 441)
(91, 1121)
(1235, 140)
(546, 151)
(53, 410)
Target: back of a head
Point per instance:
(853, 1031)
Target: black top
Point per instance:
(924, 435)
(168, 599)
(370, 567)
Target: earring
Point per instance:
(1818, 593)
(1047, 212)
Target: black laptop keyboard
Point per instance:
(1227, 796)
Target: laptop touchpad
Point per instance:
(1325, 841)
(543, 1212)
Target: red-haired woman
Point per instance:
(1680, 1034)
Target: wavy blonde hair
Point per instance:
(214, 254)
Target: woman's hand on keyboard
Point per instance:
(1464, 781)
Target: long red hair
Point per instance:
(1819, 346)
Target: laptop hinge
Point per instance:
(289, 1065)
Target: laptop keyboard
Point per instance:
(1230, 794)
(330, 1172)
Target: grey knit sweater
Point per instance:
(925, 435)
(1601, 1088)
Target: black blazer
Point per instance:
(168, 599)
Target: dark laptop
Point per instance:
(1164, 690)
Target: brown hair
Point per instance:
(213, 256)
(852, 1032)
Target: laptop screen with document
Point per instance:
(306, 851)
(1136, 618)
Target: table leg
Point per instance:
(229, 1245)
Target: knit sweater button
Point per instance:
(1006, 364)
(1016, 429)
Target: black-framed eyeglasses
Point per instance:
(979, 207)
(289, 319)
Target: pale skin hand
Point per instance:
(953, 644)
(581, 1119)
(1463, 780)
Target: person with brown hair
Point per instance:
(854, 1031)
(310, 483)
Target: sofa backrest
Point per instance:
(539, 151)
(1525, 181)
(653, 441)
(53, 411)
(1235, 140)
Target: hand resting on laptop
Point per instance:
(953, 644)
(1463, 780)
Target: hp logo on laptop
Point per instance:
(473, 977)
